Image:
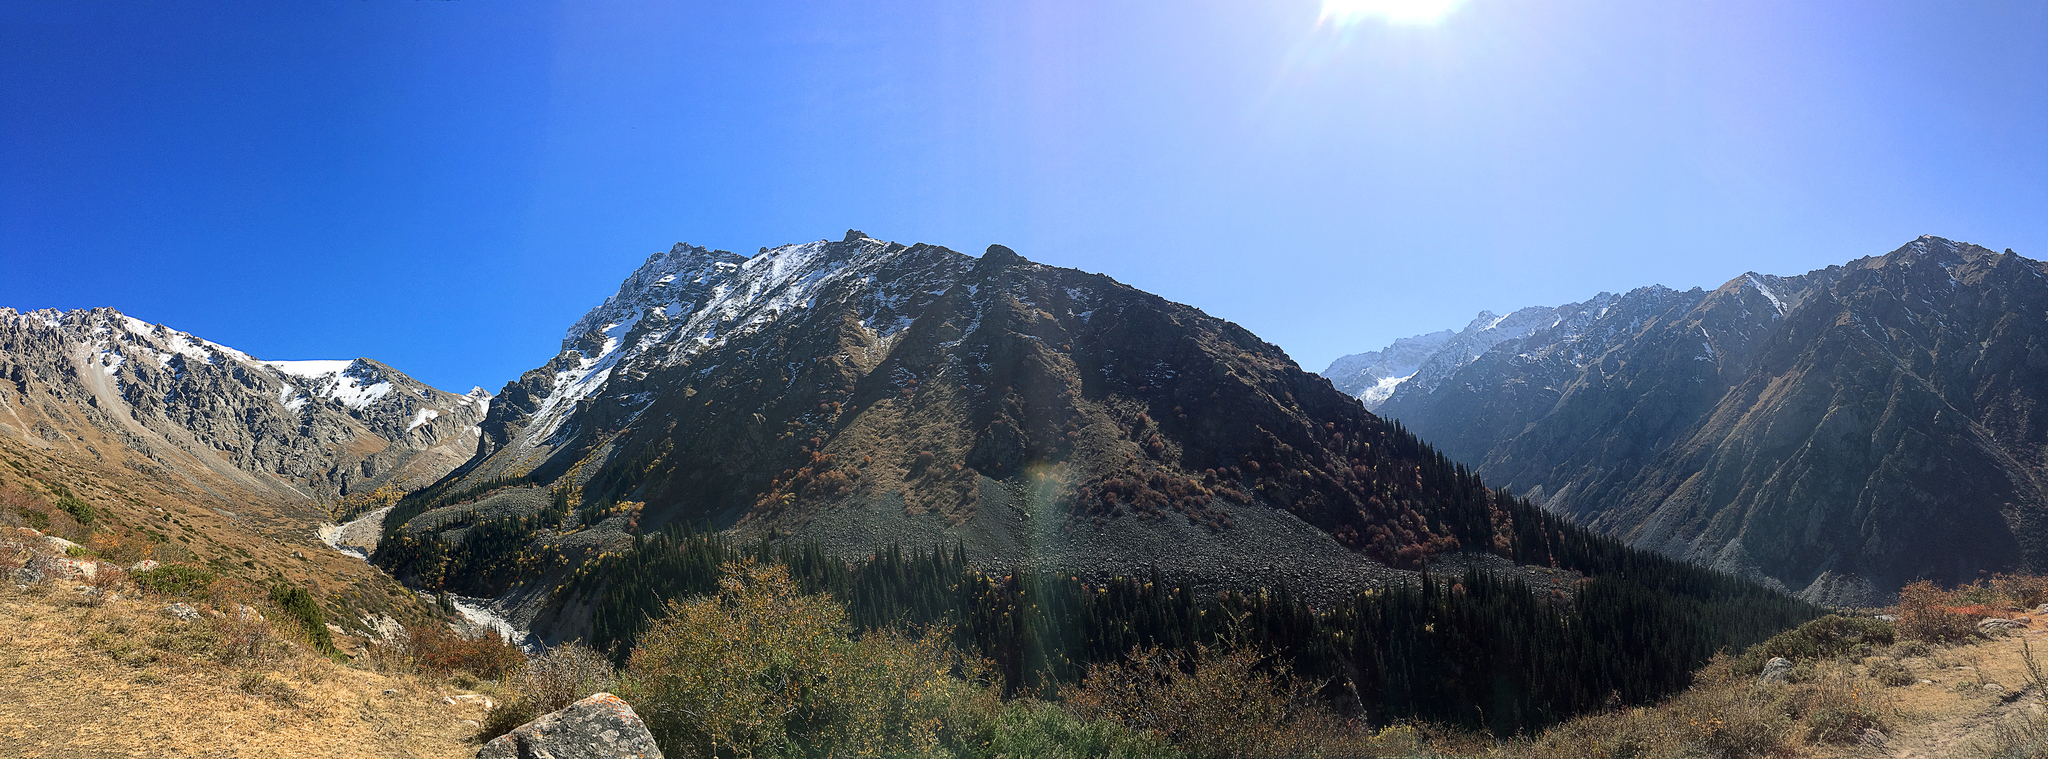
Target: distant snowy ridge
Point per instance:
(296, 421)
(1417, 364)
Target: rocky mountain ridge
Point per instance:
(180, 405)
(859, 393)
(1838, 433)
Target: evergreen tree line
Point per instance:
(1476, 649)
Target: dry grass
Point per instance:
(1966, 701)
(119, 677)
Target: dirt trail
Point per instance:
(1952, 713)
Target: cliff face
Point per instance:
(103, 386)
(1838, 433)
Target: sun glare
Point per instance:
(1409, 12)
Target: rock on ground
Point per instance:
(598, 727)
(1777, 670)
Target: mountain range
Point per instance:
(180, 407)
(1028, 451)
(1838, 433)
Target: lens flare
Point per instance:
(1406, 12)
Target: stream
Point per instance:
(359, 536)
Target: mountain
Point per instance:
(105, 387)
(1419, 364)
(859, 393)
(1372, 376)
(1838, 433)
(143, 442)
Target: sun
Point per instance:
(1406, 12)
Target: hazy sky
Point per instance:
(446, 186)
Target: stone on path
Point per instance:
(598, 727)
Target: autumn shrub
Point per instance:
(1723, 715)
(1891, 672)
(240, 638)
(548, 682)
(1836, 707)
(1925, 614)
(1213, 701)
(440, 651)
(1826, 637)
(761, 669)
(2023, 591)
(1030, 728)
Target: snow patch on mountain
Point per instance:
(1766, 290)
(1372, 376)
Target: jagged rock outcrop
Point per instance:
(599, 727)
(1838, 433)
(172, 404)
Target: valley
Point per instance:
(1048, 473)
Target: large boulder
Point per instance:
(1777, 670)
(598, 727)
(1993, 625)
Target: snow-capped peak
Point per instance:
(355, 384)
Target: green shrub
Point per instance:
(1827, 637)
(79, 510)
(177, 580)
(299, 605)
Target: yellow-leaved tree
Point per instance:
(761, 669)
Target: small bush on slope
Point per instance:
(761, 669)
(1215, 701)
(298, 604)
(549, 682)
(1925, 614)
(434, 649)
(178, 580)
(1823, 638)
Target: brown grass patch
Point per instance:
(123, 678)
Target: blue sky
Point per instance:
(445, 186)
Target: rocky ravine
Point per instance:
(180, 406)
(1838, 433)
